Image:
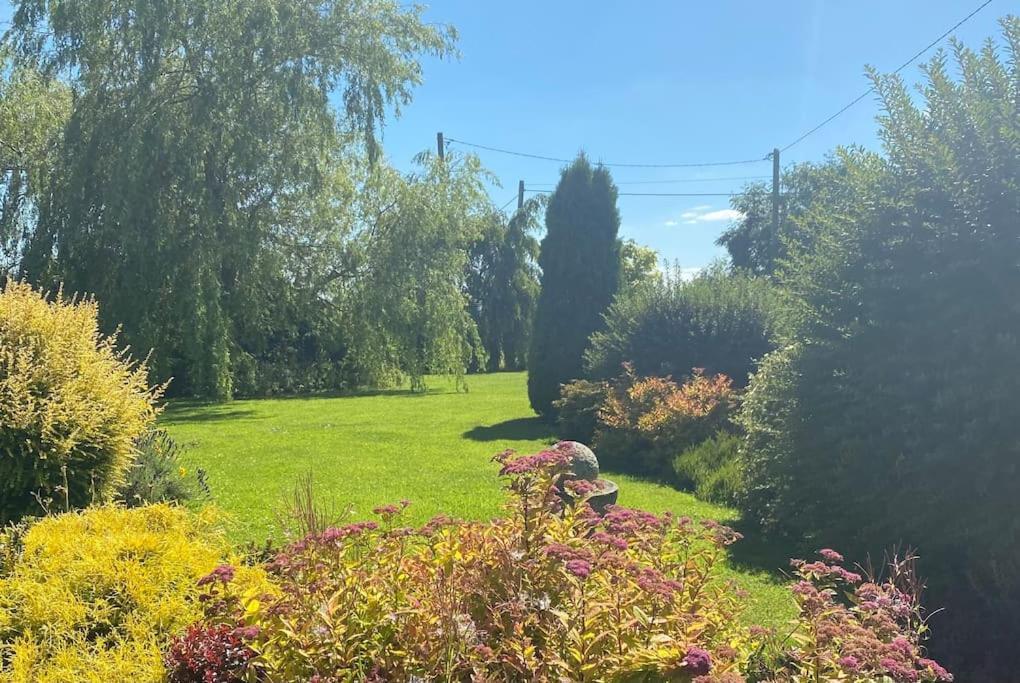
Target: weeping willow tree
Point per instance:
(502, 283)
(33, 111)
(201, 137)
(408, 302)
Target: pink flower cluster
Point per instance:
(222, 574)
(387, 512)
(552, 459)
(863, 630)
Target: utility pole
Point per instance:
(775, 193)
(440, 146)
(520, 194)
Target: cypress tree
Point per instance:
(580, 264)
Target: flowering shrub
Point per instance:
(646, 421)
(552, 591)
(97, 595)
(852, 628)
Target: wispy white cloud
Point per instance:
(722, 215)
(670, 223)
(703, 214)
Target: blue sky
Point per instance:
(661, 81)
(666, 82)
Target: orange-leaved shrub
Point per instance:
(645, 422)
(552, 591)
(72, 405)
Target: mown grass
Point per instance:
(433, 449)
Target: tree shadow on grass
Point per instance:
(761, 552)
(518, 429)
(197, 412)
(357, 393)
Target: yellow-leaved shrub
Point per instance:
(97, 595)
(71, 404)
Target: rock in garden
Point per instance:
(583, 463)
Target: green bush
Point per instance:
(718, 321)
(713, 469)
(158, 475)
(71, 405)
(890, 415)
(577, 409)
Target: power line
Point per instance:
(902, 66)
(503, 208)
(677, 194)
(678, 180)
(768, 156)
(614, 164)
(659, 194)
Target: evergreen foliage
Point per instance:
(580, 261)
(98, 595)
(890, 413)
(71, 405)
(718, 321)
(503, 285)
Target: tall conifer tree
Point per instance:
(580, 264)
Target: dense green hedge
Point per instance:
(890, 414)
(718, 321)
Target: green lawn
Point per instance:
(433, 449)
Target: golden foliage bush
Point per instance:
(97, 595)
(71, 404)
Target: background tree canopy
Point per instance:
(409, 301)
(203, 164)
(33, 112)
(751, 242)
(503, 284)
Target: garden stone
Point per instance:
(583, 463)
